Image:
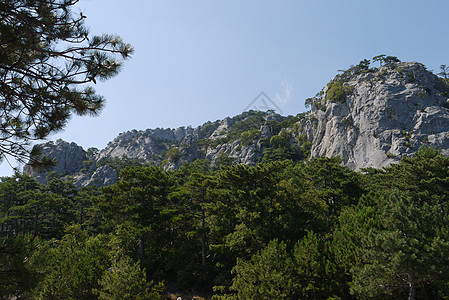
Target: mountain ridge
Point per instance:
(369, 116)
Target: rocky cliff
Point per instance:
(69, 158)
(242, 139)
(373, 117)
(370, 117)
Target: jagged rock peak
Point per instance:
(375, 116)
(69, 158)
(143, 145)
(237, 139)
(370, 117)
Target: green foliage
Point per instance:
(18, 276)
(363, 66)
(308, 103)
(213, 143)
(309, 265)
(266, 276)
(276, 273)
(279, 230)
(29, 207)
(92, 151)
(279, 141)
(276, 126)
(386, 60)
(173, 155)
(443, 86)
(246, 213)
(280, 148)
(338, 91)
(249, 136)
(379, 58)
(410, 77)
(207, 130)
(251, 121)
(390, 155)
(87, 164)
(305, 147)
(393, 241)
(409, 238)
(390, 60)
(390, 112)
(247, 128)
(126, 280)
(136, 198)
(246, 121)
(224, 160)
(72, 266)
(43, 85)
(290, 121)
(331, 188)
(444, 72)
(82, 267)
(317, 105)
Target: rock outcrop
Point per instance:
(69, 159)
(385, 114)
(370, 117)
(169, 148)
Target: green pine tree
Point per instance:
(47, 57)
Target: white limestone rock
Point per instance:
(391, 112)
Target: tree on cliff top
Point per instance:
(47, 60)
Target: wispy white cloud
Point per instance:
(286, 95)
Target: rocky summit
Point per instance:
(374, 117)
(369, 116)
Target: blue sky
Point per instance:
(202, 60)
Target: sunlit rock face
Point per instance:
(369, 118)
(388, 113)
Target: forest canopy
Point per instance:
(277, 230)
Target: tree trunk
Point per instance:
(412, 289)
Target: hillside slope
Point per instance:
(243, 139)
(370, 117)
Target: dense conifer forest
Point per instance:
(291, 226)
(279, 230)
